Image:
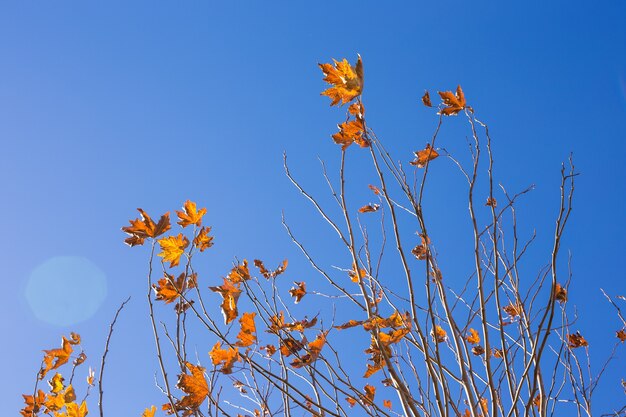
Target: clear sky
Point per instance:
(109, 106)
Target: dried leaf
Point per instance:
(424, 156)
(478, 350)
(270, 274)
(369, 208)
(194, 385)
(314, 349)
(239, 273)
(169, 289)
(375, 189)
(497, 353)
(149, 412)
(351, 401)
(347, 80)
(190, 214)
(202, 240)
(473, 338)
(230, 293)
(357, 276)
(141, 229)
(512, 310)
(225, 357)
(453, 103)
(172, 248)
(491, 202)
(426, 99)
(438, 334)
(370, 392)
(621, 335)
(387, 404)
(576, 340)
(560, 293)
(247, 334)
(298, 291)
(55, 358)
(351, 132)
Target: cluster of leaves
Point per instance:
(60, 400)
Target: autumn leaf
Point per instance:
(202, 240)
(473, 338)
(298, 291)
(351, 132)
(349, 324)
(194, 385)
(497, 353)
(247, 334)
(424, 156)
(426, 99)
(351, 401)
(55, 358)
(478, 350)
(576, 340)
(190, 214)
(421, 251)
(172, 248)
(149, 412)
(387, 404)
(453, 103)
(141, 229)
(56, 383)
(512, 310)
(314, 349)
(621, 335)
(75, 410)
(357, 274)
(289, 345)
(230, 294)
(169, 289)
(33, 404)
(439, 335)
(560, 293)
(357, 110)
(491, 202)
(240, 272)
(370, 392)
(374, 189)
(90, 377)
(270, 274)
(369, 208)
(224, 357)
(269, 349)
(346, 80)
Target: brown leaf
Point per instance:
(621, 335)
(369, 208)
(439, 334)
(424, 156)
(375, 189)
(491, 202)
(239, 273)
(202, 240)
(370, 392)
(270, 274)
(141, 229)
(230, 293)
(576, 340)
(478, 350)
(453, 103)
(560, 293)
(314, 349)
(298, 291)
(351, 132)
(426, 99)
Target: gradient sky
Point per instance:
(109, 106)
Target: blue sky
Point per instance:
(111, 106)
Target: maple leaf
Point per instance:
(298, 291)
(169, 289)
(240, 272)
(439, 334)
(426, 99)
(369, 208)
(424, 156)
(560, 293)
(270, 274)
(33, 404)
(473, 338)
(370, 392)
(75, 410)
(314, 349)
(172, 248)
(621, 335)
(351, 401)
(247, 334)
(347, 80)
(56, 383)
(194, 385)
(512, 310)
(54, 358)
(230, 294)
(576, 340)
(202, 240)
(190, 215)
(421, 251)
(224, 357)
(149, 412)
(351, 132)
(387, 404)
(141, 229)
(453, 103)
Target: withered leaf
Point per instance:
(576, 340)
(453, 103)
(194, 385)
(346, 80)
(55, 358)
(560, 293)
(621, 335)
(314, 349)
(351, 132)
(247, 334)
(424, 156)
(239, 273)
(230, 293)
(190, 214)
(298, 291)
(491, 202)
(141, 229)
(369, 208)
(267, 274)
(473, 338)
(439, 334)
(225, 357)
(426, 99)
(202, 240)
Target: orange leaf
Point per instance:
(424, 156)
(168, 288)
(347, 80)
(240, 272)
(347, 325)
(351, 401)
(190, 215)
(576, 340)
(230, 294)
(247, 334)
(314, 349)
(224, 357)
(374, 189)
(370, 392)
(512, 310)
(473, 338)
(172, 248)
(203, 241)
(54, 358)
(270, 274)
(621, 335)
(357, 274)
(560, 293)
(349, 133)
(387, 404)
(426, 99)
(149, 412)
(299, 291)
(33, 404)
(194, 385)
(75, 410)
(439, 335)
(369, 208)
(453, 103)
(140, 230)
(491, 202)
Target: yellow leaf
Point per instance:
(346, 80)
(149, 412)
(473, 338)
(172, 248)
